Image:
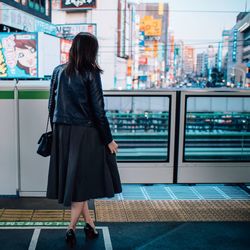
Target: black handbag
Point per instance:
(45, 141)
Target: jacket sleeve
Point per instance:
(97, 104)
(52, 97)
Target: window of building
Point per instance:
(41, 6)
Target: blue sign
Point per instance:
(141, 39)
(235, 45)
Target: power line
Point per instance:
(148, 10)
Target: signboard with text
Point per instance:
(18, 55)
(21, 20)
(77, 4)
(69, 31)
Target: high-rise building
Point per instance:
(201, 64)
(178, 60)
(211, 60)
(225, 47)
(239, 51)
(188, 60)
(171, 55)
(153, 45)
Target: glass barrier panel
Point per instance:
(217, 129)
(140, 126)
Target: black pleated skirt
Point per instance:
(81, 167)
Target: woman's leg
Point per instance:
(76, 210)
(86, 214)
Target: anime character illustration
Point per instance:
(26, 55)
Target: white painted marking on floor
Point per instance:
(121, 197)
(171, 193)
(34, 239)
(197, 193)
(222, 193)
(33, 243)
(107, 239)
(145, 194)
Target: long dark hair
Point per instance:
(83, 53)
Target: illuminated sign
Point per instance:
(86, 4)
(18, 55)
(151, 26)
(234, 53)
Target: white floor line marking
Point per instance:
(107, 239)
(121, 196)
(145, 194)
(222, 193)
(34, 239)
(33, 243)
(171, 193)
(197, 193)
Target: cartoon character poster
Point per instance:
(18, 55)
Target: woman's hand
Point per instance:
(113, 147)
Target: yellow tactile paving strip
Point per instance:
(172, 210)
(37, 215)
(143, 211)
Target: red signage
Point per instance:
(64, 49)
(143, 60)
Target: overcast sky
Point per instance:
(199, 28)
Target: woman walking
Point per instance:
(83, 158)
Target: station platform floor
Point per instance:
(159, 216)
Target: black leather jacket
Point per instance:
(78, 100)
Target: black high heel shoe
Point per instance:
(90, 232)
(70, 237)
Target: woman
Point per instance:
(83, 158)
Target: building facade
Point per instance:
(151, 56)
(25, 15)
(201, 65)
(239, 51)
(100, 18)
(188, 60)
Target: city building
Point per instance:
(201, 64)
(125, 37)
(151, 55)
(188, 60)
(211, 60)
(222, 54)
(95, 17)
(28, 15)
(239, 51)
(25, 30)
(171, 57)
(178, 60)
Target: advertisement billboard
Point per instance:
(21, 20)
(64, 50)
(151, 26)
(18, 55)
(68, 31)
(85, 4)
